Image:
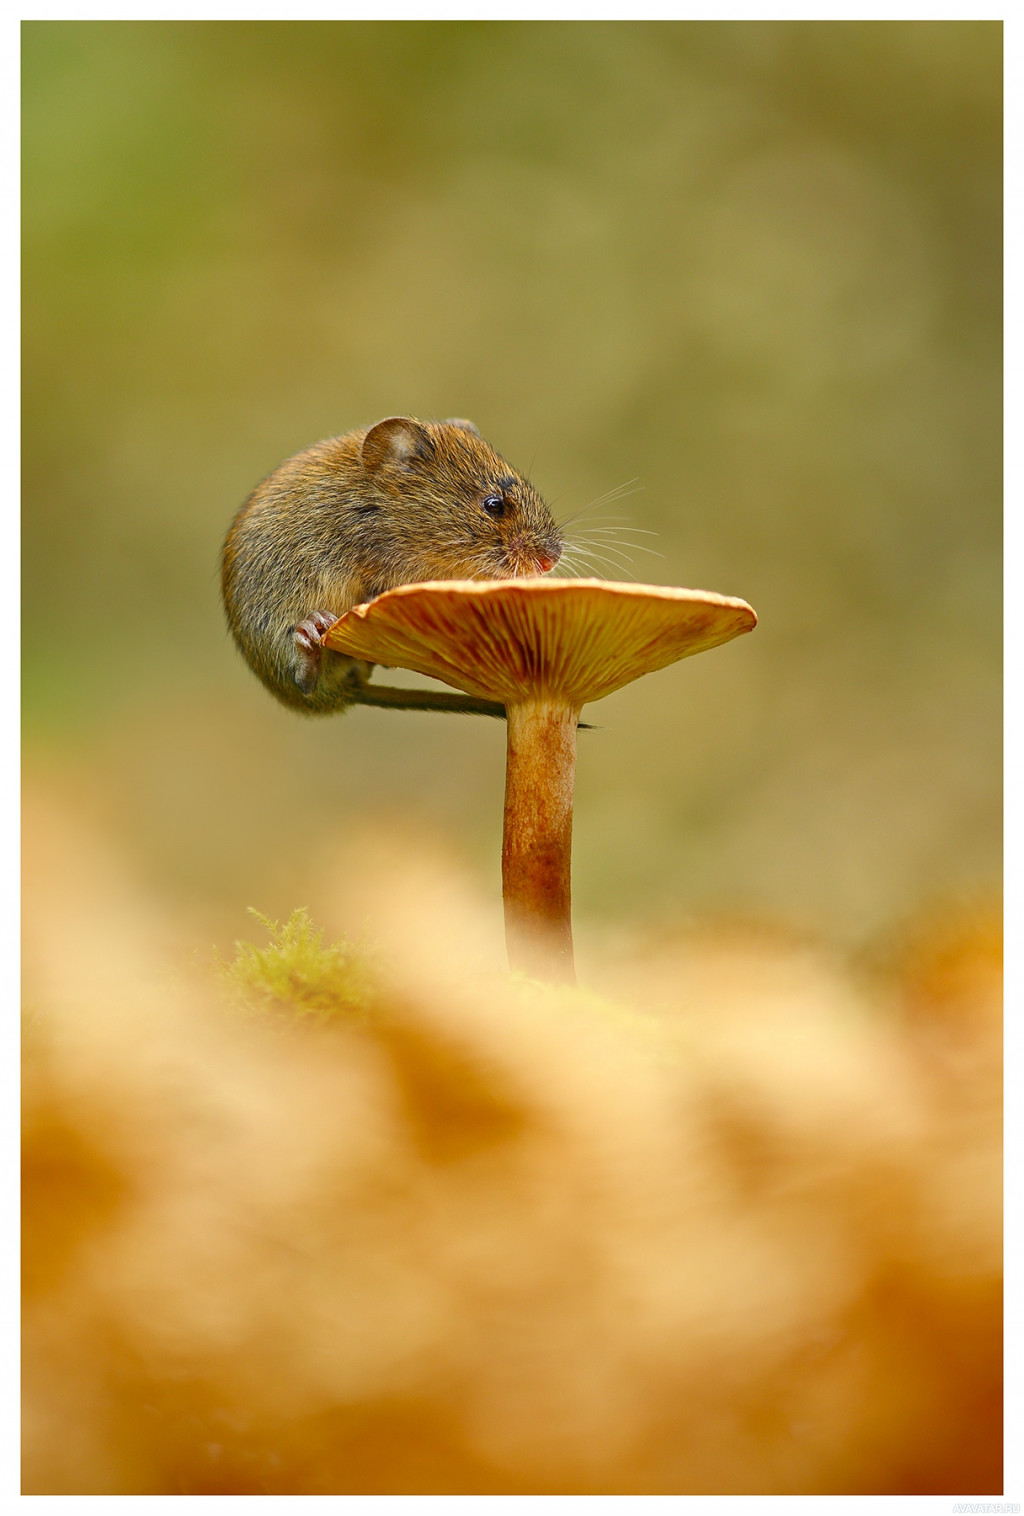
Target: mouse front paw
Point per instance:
(307, 637)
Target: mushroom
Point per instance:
(542, 647)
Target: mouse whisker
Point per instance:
(610, 549)
(631, 487)
(615, 564)
(617, 530)
(633, 547)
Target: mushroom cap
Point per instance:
(520, 639)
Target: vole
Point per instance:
(335, 525)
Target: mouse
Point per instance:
(339, 523)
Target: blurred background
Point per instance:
(750, 270)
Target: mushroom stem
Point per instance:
(536, 851)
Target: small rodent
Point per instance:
(350, 517)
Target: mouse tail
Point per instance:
(432, 700)
(426, 700)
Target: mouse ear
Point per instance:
(399, 439)
(461, 422)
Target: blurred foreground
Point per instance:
(733, 1226)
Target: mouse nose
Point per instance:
(547, 561)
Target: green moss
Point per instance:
(297, 978)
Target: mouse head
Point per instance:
(454, 506)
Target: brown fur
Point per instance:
(350, 517)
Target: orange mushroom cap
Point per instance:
(517, 639)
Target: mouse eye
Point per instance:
(494, 505)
